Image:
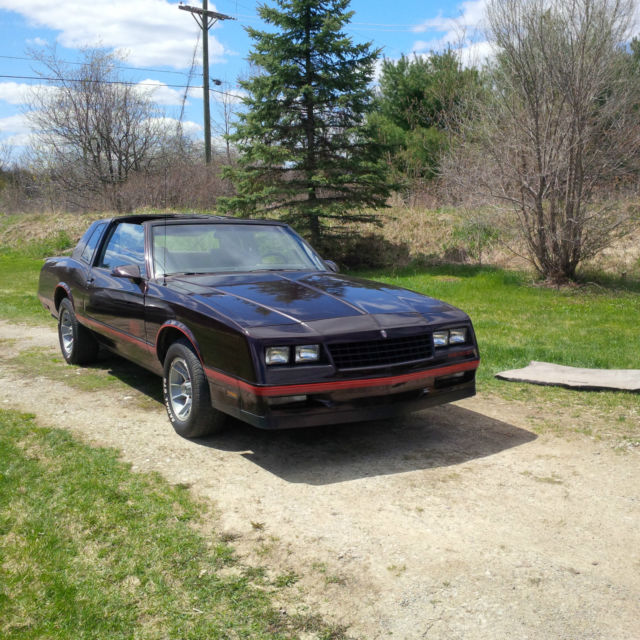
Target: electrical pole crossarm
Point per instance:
(203, 12)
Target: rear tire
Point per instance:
(186, 393)
(77, 343)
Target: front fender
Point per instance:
(170, 329)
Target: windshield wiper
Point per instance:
(187, 273)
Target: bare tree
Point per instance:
(227, 106)
(560, 127)
(6, 151)
(94, 129)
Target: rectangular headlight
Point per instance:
(308, 353)
(458, 336)
(440, 338)
(277, 355)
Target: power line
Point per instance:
(121, 82)
(179, 73)
(359, 26)
(186, 90)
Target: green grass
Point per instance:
(517, 321)
(18, 288)
(19, 272)
(91, 550)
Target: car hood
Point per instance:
(271, 299)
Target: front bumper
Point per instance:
(341, 401)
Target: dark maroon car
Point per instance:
(243, 318)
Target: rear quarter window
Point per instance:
(92, 242)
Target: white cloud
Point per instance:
(151, 32)
(20, 93)
(471, 54)
(475, 53)
(17, 124)
(20, 140)
(191, 128)
(15, 132)
(463, 33)
(470, 16)
(230, 96)
(169, 124)
(160, 93)
(13, 92)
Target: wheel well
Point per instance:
(167, 337)
(59, 296)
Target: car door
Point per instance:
(116, 305)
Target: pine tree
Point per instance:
(305, 148)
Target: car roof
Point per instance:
(191, 218)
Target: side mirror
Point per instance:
(131, 271)
(332, 265)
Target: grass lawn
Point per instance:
(18, 286)
(517, 321)
(19, 272)
(91, 550)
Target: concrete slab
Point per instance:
(546, 373)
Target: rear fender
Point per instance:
(63, 290)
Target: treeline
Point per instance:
(546, 131)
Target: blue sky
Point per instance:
(158, 41)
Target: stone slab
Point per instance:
(546, 373)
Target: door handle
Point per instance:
(90, 280)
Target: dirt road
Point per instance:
(456, 523)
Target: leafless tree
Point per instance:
(93, 129)
(561, 126)
(5, 156)
(226, 110)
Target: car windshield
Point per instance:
(228, 247)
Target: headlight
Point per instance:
(440, 338)
(457, 336)
(277, 355)
(308, 353)
(450, 337)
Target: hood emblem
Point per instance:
(383, 333)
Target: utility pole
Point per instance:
(205, 19)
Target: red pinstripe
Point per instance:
(296, 389)
(120, 334)
(337, 385)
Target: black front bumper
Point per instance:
(315, 413)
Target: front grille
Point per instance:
(383, 352)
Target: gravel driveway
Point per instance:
(458, 522)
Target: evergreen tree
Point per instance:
(419, 104)
(305, 147)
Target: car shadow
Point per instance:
(439, 437)
(130, 373)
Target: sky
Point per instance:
(156, 43)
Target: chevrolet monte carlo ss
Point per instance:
(243, 318)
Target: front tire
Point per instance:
(186, 393)
(77, 344)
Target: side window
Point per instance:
(92, 243)
(125, 246)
